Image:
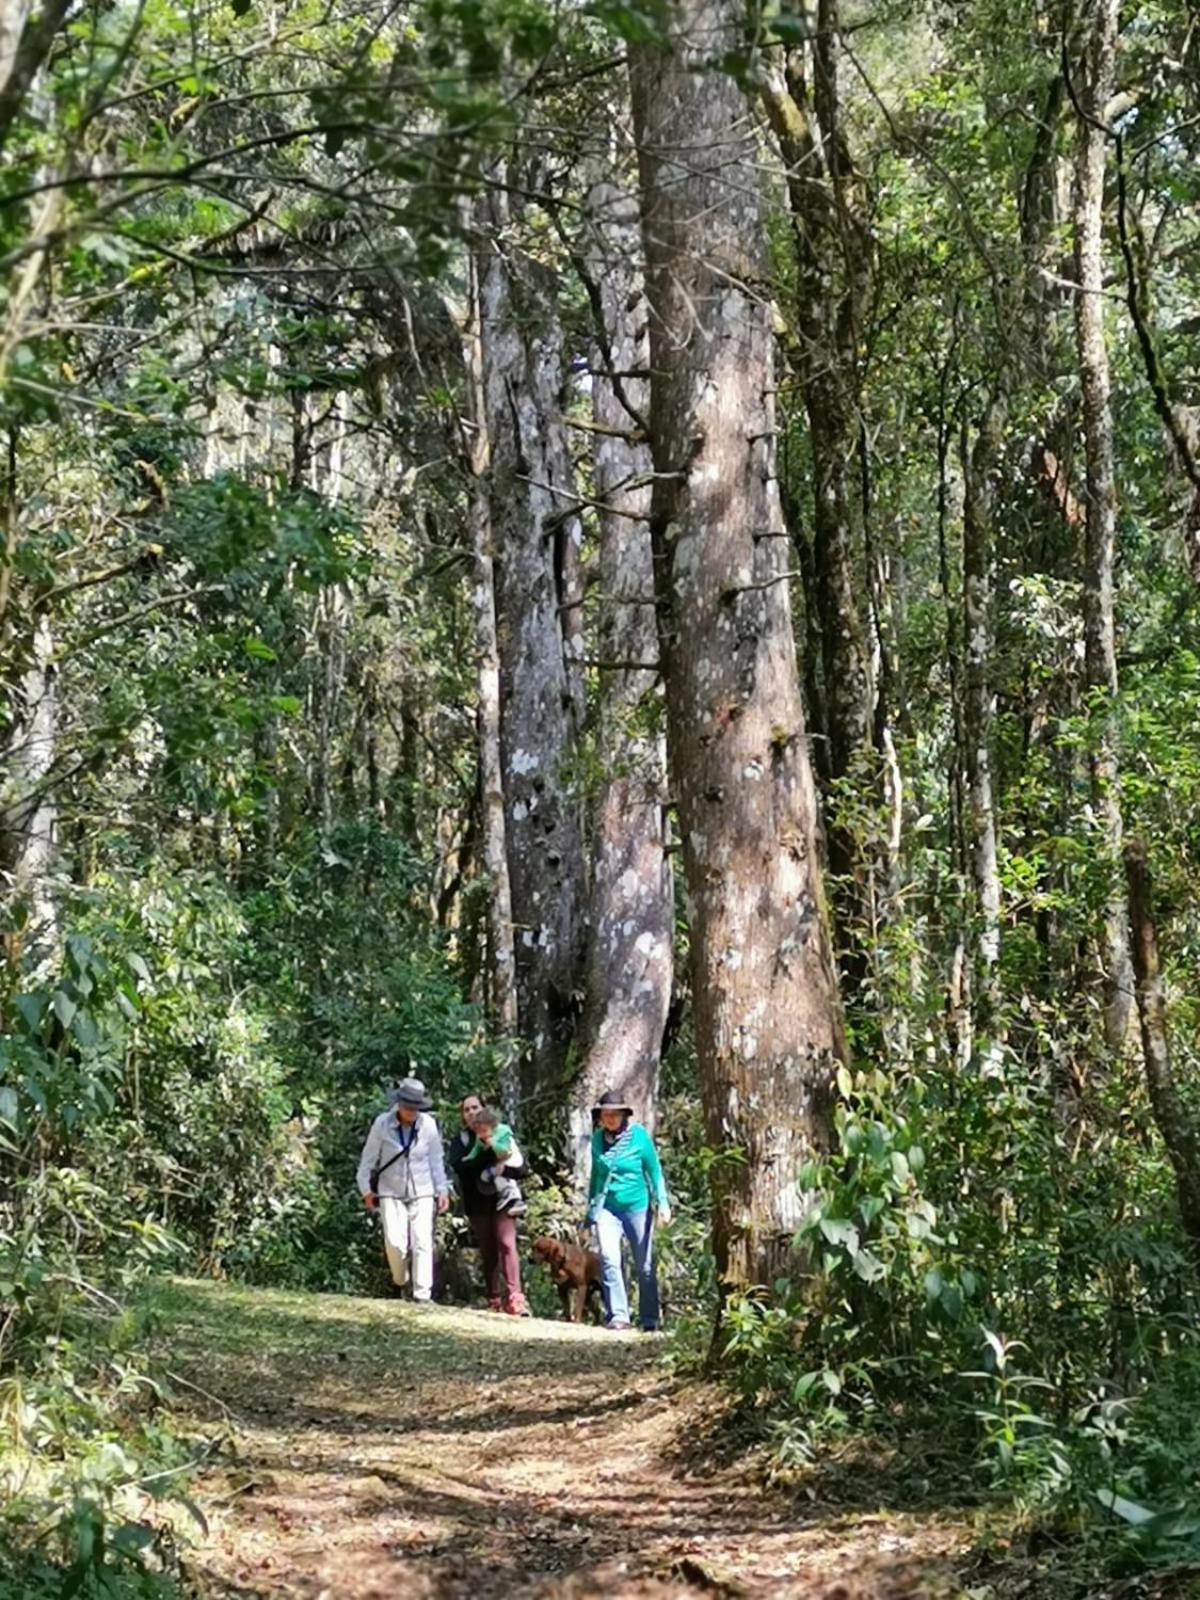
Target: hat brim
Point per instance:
(412, 1102)
(610, 1107)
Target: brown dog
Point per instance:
(575, 1270)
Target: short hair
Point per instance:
(489, 1116)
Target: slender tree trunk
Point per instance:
(1175, 1122)
(629, 965)
(834, 269)
(28, 807)
(1100, 503)
(980, 466)
(536, 541)
(768, 1029)
(493, 846)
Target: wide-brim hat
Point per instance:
(612, 1100)
(411, 1092)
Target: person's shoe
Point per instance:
(517, 1306)
(512, 1208)
(616, 1327)
(655, 1329)
(495, 1304)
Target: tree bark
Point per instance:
(630, 958)
(767, 1018)
(501, 958)
(536, 542)
(1100, 507)
(1179, 1132)
(834, 267)
(980, 466)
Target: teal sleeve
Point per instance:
(654, 1171)
(597, 1181)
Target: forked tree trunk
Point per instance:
(1175, 1123)
(629, 966)
(768, 1031)
(1100, 503)
(536, 538)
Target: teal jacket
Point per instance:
(636, 1177)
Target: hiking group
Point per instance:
(402, 1175)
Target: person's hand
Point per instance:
(664, 1216)
(443, 1203)
(370, 1200)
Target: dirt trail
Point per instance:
(384, 1450)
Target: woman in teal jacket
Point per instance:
(626, 1190)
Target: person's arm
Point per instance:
(437, 1165)
(596, 1185)
(369, 1158)
(514, 1161)
(654, 1173)
(457, 1154)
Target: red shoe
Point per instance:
(494, 1304)
(517, 1306)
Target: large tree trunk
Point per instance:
(1100, 500)
(980, 466)
(501, 957)
(536, 539)
(630, 959)
(1175, 1123)
(768, 1031)
(28, 806)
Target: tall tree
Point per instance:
(629, 965)
(536, 538)
(768, 1031)
(1100, 498)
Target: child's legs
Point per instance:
(507, 1190)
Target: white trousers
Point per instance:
(408, 1225)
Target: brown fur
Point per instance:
(575, 1270)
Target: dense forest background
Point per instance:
(651, 545)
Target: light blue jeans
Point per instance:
(638, 1228)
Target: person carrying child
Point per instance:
(495, 1149)
(495, 1231)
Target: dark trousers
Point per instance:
(496, 1237)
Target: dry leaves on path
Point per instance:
(385, 1449)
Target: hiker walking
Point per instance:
(626, 1190)
(494, 1229)
(401, 1171)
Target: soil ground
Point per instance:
(376, 1450)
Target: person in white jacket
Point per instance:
(402, 1172)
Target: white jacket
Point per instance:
(414, 1176)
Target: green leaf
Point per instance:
(845, 1082)
(838, 1231)
(1128, 1510)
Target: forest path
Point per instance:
(377, 1449)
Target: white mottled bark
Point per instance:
(768, 1032)
(28, 809)
(502, 990)
(630, 959)
(1100, 502)
(536, 543)
(980, 469)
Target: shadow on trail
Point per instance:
(454, 1454)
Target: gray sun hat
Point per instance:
(611, 1100)
(411, 1092)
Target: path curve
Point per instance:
(382, 1451)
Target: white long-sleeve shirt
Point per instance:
(414, 1176)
